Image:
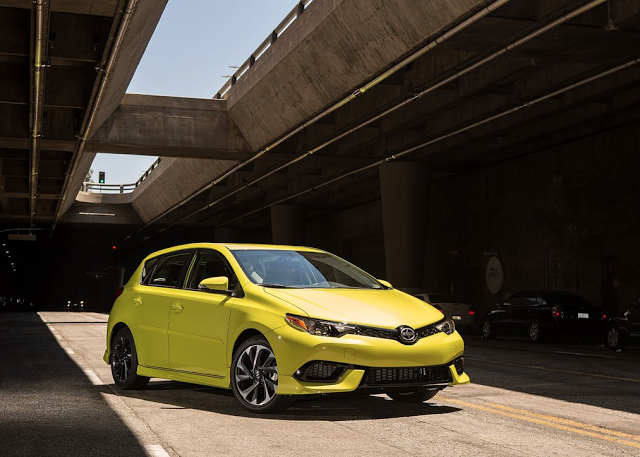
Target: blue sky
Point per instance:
(192, 48)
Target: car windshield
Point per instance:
(302, 269)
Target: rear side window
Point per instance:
(169, 270)
(147, 269)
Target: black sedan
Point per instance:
(620, 329)
(541, 314)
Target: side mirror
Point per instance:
(385, 283)
(215, 285)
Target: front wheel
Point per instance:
(615, 339)
(413, 397)
(124, 362)
(254, 377)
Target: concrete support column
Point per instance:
(288, 224)
(405, 188)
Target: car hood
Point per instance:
(371, 307)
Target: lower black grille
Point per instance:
(409, 375)
(320, 372)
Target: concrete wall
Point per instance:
(563, 219)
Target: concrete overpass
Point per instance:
(411, 137)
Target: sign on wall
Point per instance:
(494, 275)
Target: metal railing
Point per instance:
(97, 188)
(242, 69)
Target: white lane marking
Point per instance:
(586, 355)
(155, 450)
(69, 351)
(93, 377)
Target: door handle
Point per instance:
(177, 307)
(137, 301)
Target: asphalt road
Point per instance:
(57, 398)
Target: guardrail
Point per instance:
(242, 69)
(96, 188)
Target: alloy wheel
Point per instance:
(613, 337)
(121, 359)
(256, 375)
(534, 331)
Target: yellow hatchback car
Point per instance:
(276, 322)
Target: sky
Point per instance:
(192, 48)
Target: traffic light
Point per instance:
(101, 177)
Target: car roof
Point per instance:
(231, 247)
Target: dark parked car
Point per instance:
(541, 314)
(620, 329)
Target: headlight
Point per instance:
(446, 326)
(320, 327)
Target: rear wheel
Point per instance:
(254, 377)
(615, 339)
(488, 331)
(536, 331)
(124, 362)
(413, 397)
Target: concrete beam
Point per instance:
(170, 126)
(353, 41)
(143, 23)
(172, 181)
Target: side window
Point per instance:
(209, 264)
(147, 269)
(168, 272)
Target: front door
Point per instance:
(199, 320)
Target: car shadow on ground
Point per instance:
(335, 407)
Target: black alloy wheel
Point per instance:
(413, 397)
(124, 362)
(254, 378)
(488, 331)
(615, 340)
(536, 331)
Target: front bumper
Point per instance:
(293, 349)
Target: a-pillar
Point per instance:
(405, 189)
(288, 224)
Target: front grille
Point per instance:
(379, 333)
(394, 334)
(409, 375)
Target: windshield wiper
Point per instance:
(277, 286)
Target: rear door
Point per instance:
(151, 301)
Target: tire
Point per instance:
(614, 338)
(124, 362)
(536, 331)
(487, 330)
(254, 378)
(413, 397)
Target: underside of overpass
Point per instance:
(525, 114)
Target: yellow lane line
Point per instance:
(552, 421)
(535, 367)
